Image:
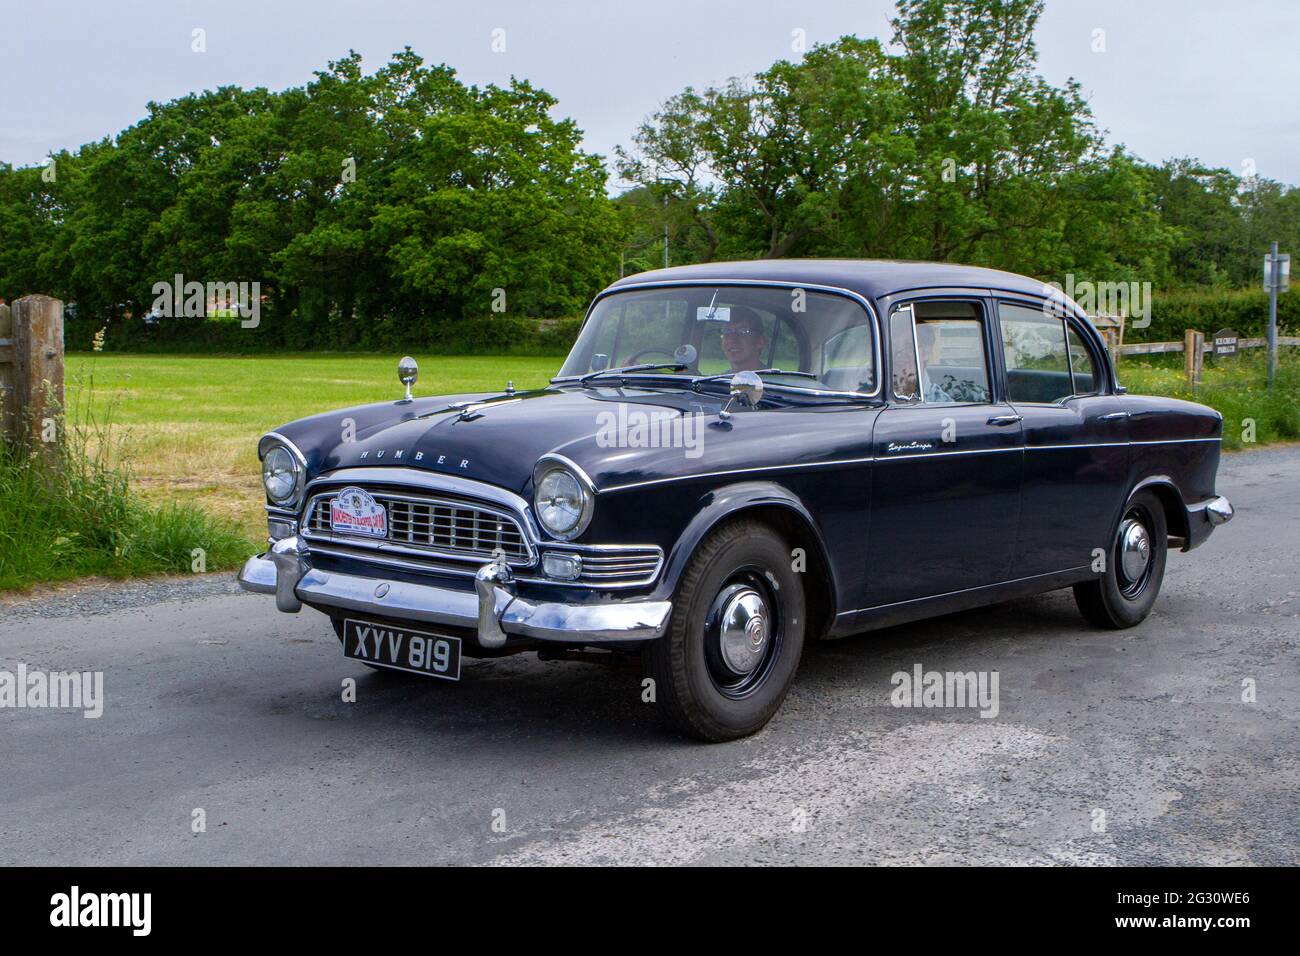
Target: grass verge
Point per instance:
(1237, 386)
(67, 510)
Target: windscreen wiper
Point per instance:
(630, 369)
(757, 371)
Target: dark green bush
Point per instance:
(1246, 310)
(487, 335)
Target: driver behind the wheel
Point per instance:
(743, 339)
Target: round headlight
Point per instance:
(280, 474)
(563, 504)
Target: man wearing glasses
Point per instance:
(743, 340)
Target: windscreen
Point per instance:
(715, 330)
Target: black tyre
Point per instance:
(1135, 567)
(735, 636)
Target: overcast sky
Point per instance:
(1215, 79)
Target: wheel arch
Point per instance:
(780, 508)
(1171, 501)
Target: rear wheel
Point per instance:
(735, 636)
(1135, 567)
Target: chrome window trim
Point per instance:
(761, 283)
(1092, 358)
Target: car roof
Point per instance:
(873, 278)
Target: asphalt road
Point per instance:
(1132, 747)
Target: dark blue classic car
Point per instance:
(736, 458)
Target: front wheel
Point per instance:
(735, 636)
(1135, 566)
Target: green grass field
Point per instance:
(188, 425)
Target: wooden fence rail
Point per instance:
(1153, 348)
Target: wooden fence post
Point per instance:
(1193, 357)
(38, 364)
(8, 376)
(1112, 343)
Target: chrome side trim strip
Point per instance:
(1172, 441)
(885, 458)
(949, 454)
(738, 471)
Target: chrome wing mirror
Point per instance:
(746, 388)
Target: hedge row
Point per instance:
(1172, 314)
(1245, 310)
(497, 334)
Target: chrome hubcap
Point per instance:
(743, 631)
(1134, 549)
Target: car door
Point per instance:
(1075, 434)
(947, 457)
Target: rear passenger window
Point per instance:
(950, 352)
(1038, 366)
(1082, 364)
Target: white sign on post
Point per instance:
(1283, 276)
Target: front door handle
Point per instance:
(1112, 417)
(1004, 419)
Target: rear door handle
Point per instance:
(1112, 417)
(1004, 419)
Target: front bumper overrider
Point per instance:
(494, 609)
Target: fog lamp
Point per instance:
(562, 567)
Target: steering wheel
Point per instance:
(635, 359)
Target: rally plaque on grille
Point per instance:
(354, 511)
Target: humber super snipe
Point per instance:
(736, 458)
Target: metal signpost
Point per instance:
(1277, 278)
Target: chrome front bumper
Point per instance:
(493, 610)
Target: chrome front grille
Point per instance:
(439, 526)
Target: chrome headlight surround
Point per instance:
(558, 469)
(281, 457)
